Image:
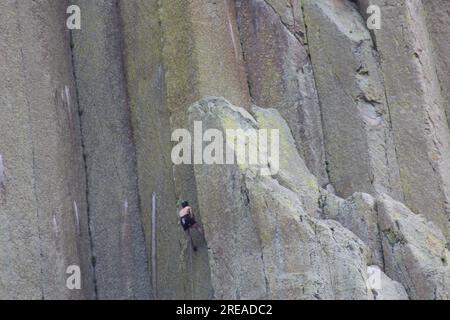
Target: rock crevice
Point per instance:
(356, 207)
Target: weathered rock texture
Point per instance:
(43, 220)
(386, 289)
(416, 253)
(359, 214)
(264, 227)
(359, 145)
(112, 190)
(438, 22)
(280, 72)
(416, 105)
(86, 125)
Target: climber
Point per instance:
(187, 219)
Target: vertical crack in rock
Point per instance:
(279, 229)
(362, 113)
(162, 42)
(351, 91)
(244, 58)
(109, 152)
(389, 139)
(320, 103)
(288, 28)
(280, 74)
(54, 137)
(88, 211)
(134, 164)
(416, 105)
(380, 237)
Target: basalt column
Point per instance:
(177, 51)
(438, 23)
(121, 267)
(145, 72)
(417, 108)
(356, 121)
(280, 73)
(43, 216)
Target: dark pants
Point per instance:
(187, 221)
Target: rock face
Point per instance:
(356, 120)
(145, 79)
(438, 22)
(280, 73)
(416, 253)
(386, 289)
(413, 91)
(348, 197)
(358, 214)
(264, 227)
(112, 189)
(43, 216)
(296, 177)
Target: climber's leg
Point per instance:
(189, 235)
(199, 228)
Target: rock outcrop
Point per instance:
(273, 229)
(358, 214)
(344, 195)
(386, 288)
(280, 73)
(296, 177)
(260, 223)
(415, 251)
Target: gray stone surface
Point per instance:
(356, 121)
(304, 258)
(146, 87)
(230, 230)
(254, 222)
(415, 251)
(438, 25)
(358, 214)
(292, 172)
(385, 288)
(280, 74)
(172, 59)
(421, 132)
(43, 217)
(362, 118)
(122, 271)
